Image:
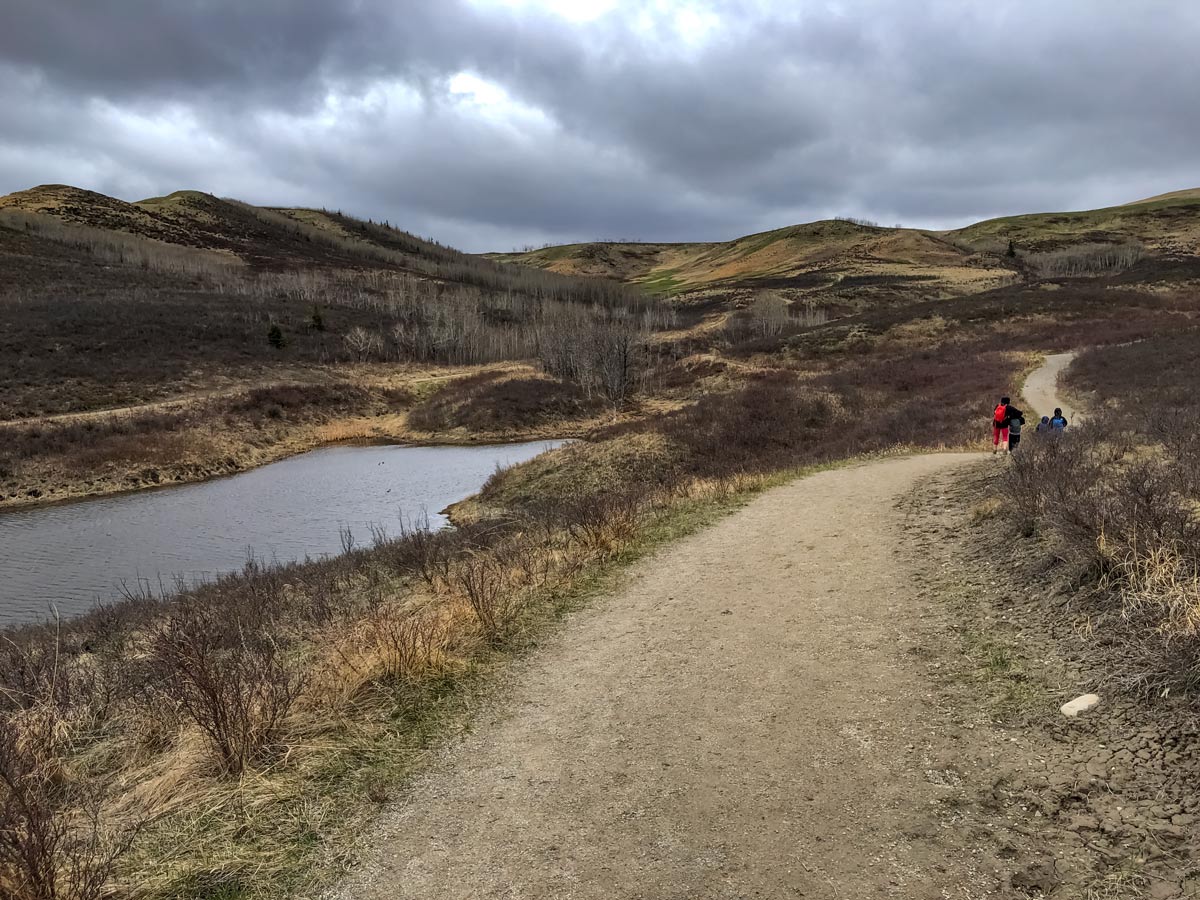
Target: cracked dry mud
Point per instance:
(1111, 799)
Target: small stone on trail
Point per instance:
(1079, 704)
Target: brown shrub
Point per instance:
(479, 576)
(496, 402)
(764, 426)
(53, 844)
(236, 685)
(1125, 513)
(408, 644)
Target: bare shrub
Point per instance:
(1126, 512)
(480, 579)
(363, 344)
(420, 550)
(604, 522)
(769, 314)
(123, 248)
(408, 644)
(32, 674)
(767, 424)
(497, 402)
(53, 843)
(236, 686)
(603, 353)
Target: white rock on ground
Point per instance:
(1080, 704)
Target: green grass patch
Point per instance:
(662, 283)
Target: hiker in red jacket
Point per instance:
(1000, 426)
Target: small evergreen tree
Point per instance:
(315, 320)
(1012, 249)
(275, 337)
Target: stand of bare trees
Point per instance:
(1086, 259)
(599, 347)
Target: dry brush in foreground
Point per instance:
(1120, 497)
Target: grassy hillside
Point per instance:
(847, 264)
(264, 238)
(199, 302)
(1167, 226)
(832, 258)
(185, 336)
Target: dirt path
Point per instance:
(750, 717)
(1041, 389)
(761, 712)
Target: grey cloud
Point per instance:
(930, 115)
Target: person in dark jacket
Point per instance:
(1016, 419)
(1058, 422)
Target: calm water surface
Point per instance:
(69, 557)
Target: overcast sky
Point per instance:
(490, 124)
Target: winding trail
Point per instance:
(752, 715)
(1041, 388)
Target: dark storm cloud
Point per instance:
(655, 120)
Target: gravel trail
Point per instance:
(759, 712)
(744, 719)
(1041, 389)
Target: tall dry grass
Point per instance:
(160, 703)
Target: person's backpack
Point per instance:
(1000, 416)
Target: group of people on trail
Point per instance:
(1007, 422)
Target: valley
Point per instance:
(787, 425)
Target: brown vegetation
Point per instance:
(260, 663)
(258, 714)
(1086, 260)
(1120, 494)
(499, 403)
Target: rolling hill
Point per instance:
(1168, 226)
(264, 238)
(856, 263)
(827, 257)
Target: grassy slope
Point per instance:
(1168, 226)
(815, 255)
(131, 330)
(266, 238)
(820, 256)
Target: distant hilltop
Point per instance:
(847, 262)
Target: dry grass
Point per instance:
(986, 509)
(249, 728)
(376, 665)
(267, 713)
(1120, 497)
